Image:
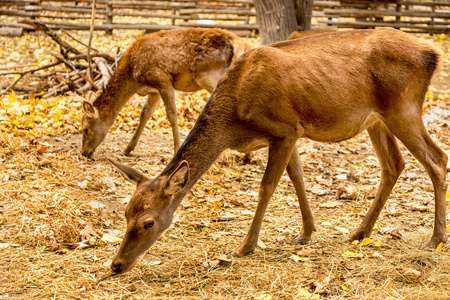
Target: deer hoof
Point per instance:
(299, 240)
(346, 240)
(434, 242)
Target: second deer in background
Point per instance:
(156, 65)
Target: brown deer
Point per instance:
(155, 65)
(328, 88)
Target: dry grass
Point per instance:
(46, 189)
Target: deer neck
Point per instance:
(118, 90)
(206, 141)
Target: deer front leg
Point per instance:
(168, 96)
(295, 172)
(392, 164)
(147, 112)
(163, 83)
(279, 154)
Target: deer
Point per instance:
(156, 65)
(327, 88)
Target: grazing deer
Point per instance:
(155, 65)
(328, 88)
(302, 34)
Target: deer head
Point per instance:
(93, 128)
(149, 212)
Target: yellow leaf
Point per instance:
(303, 293)
(235, 174)
(344, 287)
(377, 244)
(366, 241)
(297, 258)
(439, 247)
(349, 254)
(378, 255)
(447, 196)
(375, 227)
(396, 186)
(265, 297)
(109, 238)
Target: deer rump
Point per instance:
(333, 85)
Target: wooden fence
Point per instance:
(237, 15)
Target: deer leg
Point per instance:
(415, 137)
(168, 96)
(147, 112)
(295, 172)
(392, 164)
(279, 154)
(163, 83)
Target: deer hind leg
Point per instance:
(415, 137)
(279, 154)
(147, 112)
(392, 164)
(295, 172)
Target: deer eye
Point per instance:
(149, 224)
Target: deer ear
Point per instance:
(129, 173)
(90, 110)
(177, 180)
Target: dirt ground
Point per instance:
(62, 217)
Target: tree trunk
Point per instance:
(276, 19)
(304, 14)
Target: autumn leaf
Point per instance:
(349, 254)
(366, 241)
(109, 238)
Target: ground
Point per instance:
(62, 216)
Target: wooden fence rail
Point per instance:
(238, 15)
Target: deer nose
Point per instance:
(87, 153)
(116, 267)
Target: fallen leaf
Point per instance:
(83, 184)
(297, 258)
(95, 204)
(109, 238)
(410, 273)
(330, 204)
(342, 230)
(88, 234)
(439, 247)
(318, 190)
(4, 245)
(303, 293)
(377, 244)
(378, 255)
(349, 254)
(366, 241)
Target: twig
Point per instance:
(22, 74)
(69, 64)
(41, 27)
(91, 33)
(77, 40)
(106, 277)
(17, 67)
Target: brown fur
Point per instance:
(327, 88)
(157, 64)
(302, 34)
